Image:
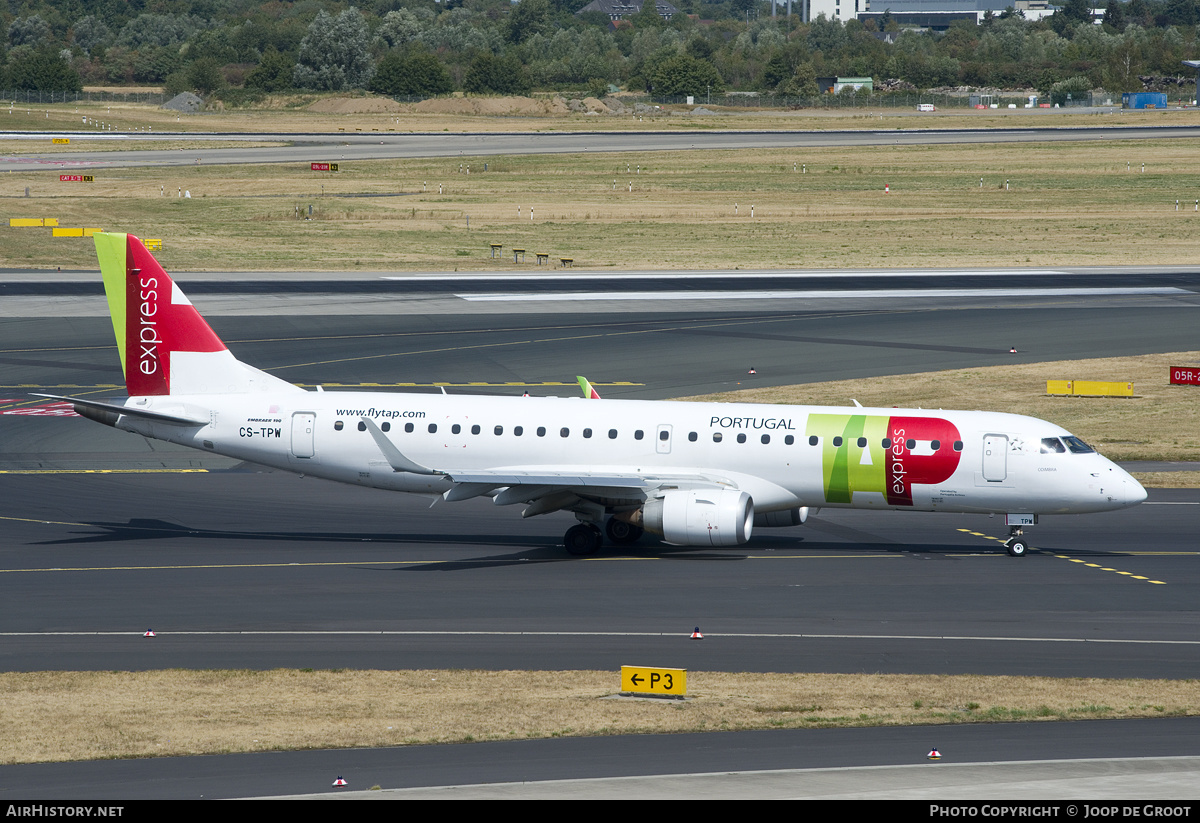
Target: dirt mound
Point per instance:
(354, 105)
(488, 106)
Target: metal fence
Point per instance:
(32, 96)
(905, 99)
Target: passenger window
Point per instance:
(741, 438)
(455, 429)
(862, 442)
(587, 433)
(935, 444)
(837, 441)
(664, 435)
(541, 432)
(564, 432)
(612, 434)
(812, 440)
(408, 427)
(638, 435)
(518, 431)
(337, 425)
(789, 440)
(766, 438)
(958, 445)
(692, 437)
(717, 437)
(475, 429)
(387, 427)
(910, 444)
(499, 430)
(433, 428)
(362, 427)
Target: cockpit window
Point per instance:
(1077, 446)
(1052, 445)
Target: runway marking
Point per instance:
(584, 276)
(98, 471)
(820, 294)
(517, 384)
(671, 634)
(1084, 562)
(655, 329)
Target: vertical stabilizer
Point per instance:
(166, 347)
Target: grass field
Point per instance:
(1038, 205)
(57, 716)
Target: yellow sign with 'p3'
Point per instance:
(653, 680)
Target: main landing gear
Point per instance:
(584, 539)
(1016, 545)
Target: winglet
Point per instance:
(393, 455)
(586, 387)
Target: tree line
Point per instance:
(240, 50)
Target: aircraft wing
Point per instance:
(546, 489)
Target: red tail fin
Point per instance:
(159, 322)
(165, 345)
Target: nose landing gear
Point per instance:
(1016, 545)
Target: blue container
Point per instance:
(1144, 100)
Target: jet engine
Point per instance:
(701, 518)
(782, 519)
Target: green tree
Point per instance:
(205, 76)
(489, 74)
(334, 54)
(420, 74)
(44, 70)
(527, 18)
(273, 73)
(685, 75)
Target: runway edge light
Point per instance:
(934, 754)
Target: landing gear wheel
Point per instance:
(1017, 547)
(582, 540)
(622, 533)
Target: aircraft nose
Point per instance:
(1134, 491)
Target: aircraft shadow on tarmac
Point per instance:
(520, 549)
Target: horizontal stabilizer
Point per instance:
(100, 411)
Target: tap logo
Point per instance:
(874, 453)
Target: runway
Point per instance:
(240, 568)
(384, 145)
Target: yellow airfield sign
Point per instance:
(654, 680)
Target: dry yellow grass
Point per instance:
(1068, 204)
(1161, 423)
(56, 716)
(306, 112)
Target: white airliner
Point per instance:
(698, 474)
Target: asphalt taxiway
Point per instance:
(107, 535)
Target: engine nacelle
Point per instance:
(701, 518)
(781, 519)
